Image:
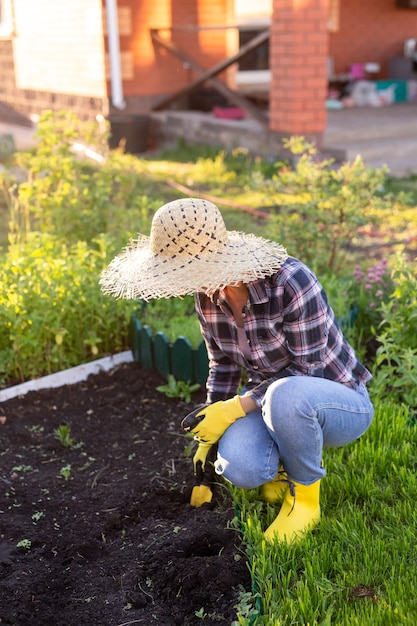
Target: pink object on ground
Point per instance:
(229, 113)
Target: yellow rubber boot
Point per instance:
(299, 513)
(275, 489)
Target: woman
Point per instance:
(264, 313)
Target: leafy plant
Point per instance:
(26, 544)
(370, 288)
(320, 208)
(63, 435)
(22, 468)
(178, 389)
(201, 614)
(36, 517)
(395, 369)
(60, 184)
(246, 609)
(52, 313)
(65, 472)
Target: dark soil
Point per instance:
(110, 536)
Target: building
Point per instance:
(122, 57)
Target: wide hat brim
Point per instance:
(138, 273)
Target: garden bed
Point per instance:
(101, 532)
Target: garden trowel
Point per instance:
(202, 492)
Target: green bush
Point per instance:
(52, 313)
(320, 208)
(74, 198)
(63, 204)
(395, 367)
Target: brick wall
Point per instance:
(29, 102)
(370, 30)
(298, 51)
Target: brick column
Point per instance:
(298, 59)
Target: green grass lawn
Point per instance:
(359, 566)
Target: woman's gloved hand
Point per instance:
(216, 418)
(199, 459)
(204, 474)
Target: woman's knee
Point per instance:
(245, 475)
(247, 456)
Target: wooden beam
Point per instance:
(208, 75)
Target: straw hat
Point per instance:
(188, 250)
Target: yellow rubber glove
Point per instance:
(202, 492)
(201, 457)
(216, 418)
(203, 470)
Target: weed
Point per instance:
(36, 429)
(188, 450)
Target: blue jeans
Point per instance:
(299, 416)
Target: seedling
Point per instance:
(65, 472)
(36, 429)
(178, 389)
(63, 435)
(22, 468)
(37, 516)
(26, 544)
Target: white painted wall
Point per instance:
(59, 46)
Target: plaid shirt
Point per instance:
(291, 331)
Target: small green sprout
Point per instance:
(37, 516)
(178, 389)
(63, 435)
(65, 472)
(26, 544)
(201, 614)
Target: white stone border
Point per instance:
(67, 377)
